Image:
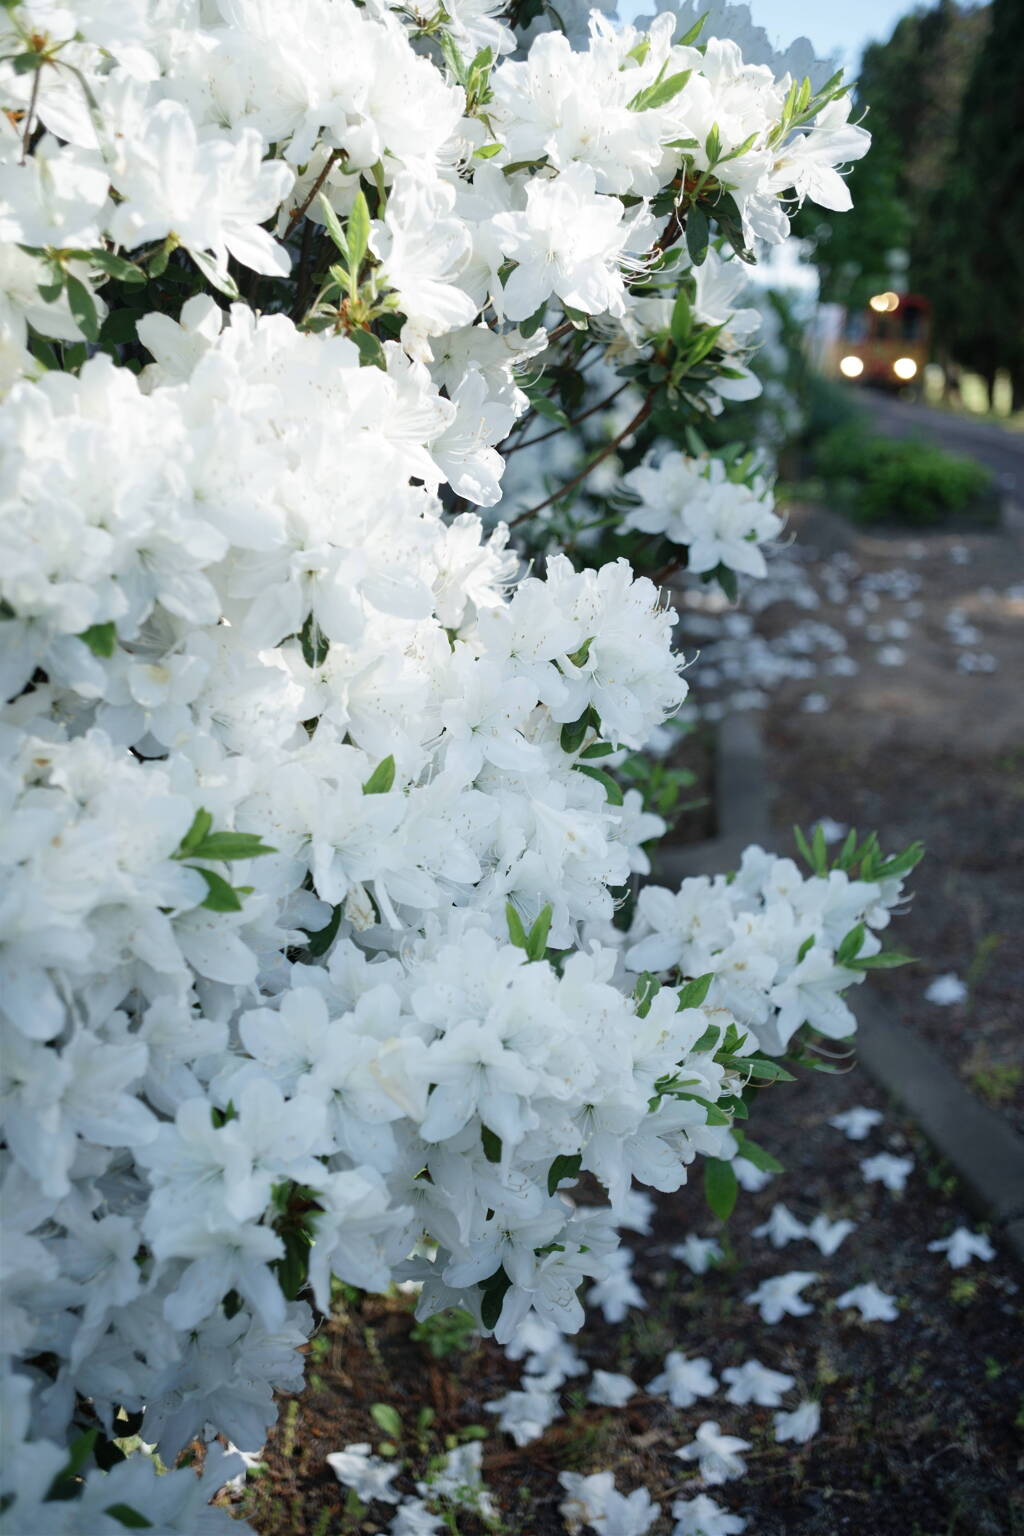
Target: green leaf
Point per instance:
(660, 93)
(611, 789)
(220, 896)
(698, 233)
(713, 146)
(157, 263)
(114, 266)
(757, 1155)
(763, 1067)
(708, 1040)
(315, 645)
(119, 326)
(693, 994)
(202, 821)
(358, 232)
(516, 931)
(644, 992)
(528, 328)
(694, 32)
(79, 1451)
(128, 1517)
(230, 845)
(494, 1289)
(715, 1116)
(851, 946)
(572, 736)
(681, 323)
(720, 1187)
(321, 941)
(888, 960)
(547, 408)
(333, 225)
(371, 353)
(26, 63)
(491, 1144)
(597, 749)
(382, 778)
(563, 1167)
(100, 638)
(387, 1418)
(83, 308)
(805, 948)
(537, 938)
(219, 277)
(487, 151)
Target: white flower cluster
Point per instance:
(308, 861)
(723, 520)
(777, 948)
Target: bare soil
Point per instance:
(922, 1418)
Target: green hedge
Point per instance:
(881, 479)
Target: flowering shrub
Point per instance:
(310, 862)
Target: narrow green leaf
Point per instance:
(333, 225)
(382, 778)
(83, 308)
(491, 1144)
(115, 266)
(128, 1517)
(516, 931)
(598, 749)
(888, 960)
(660, 93)
(230, 845)
(220, 896)
(681, 323)
(358, 231)
(805, 948)
(537, 938)
(611, 789)
(720, 1187)
(202, 821)
(487, 151)
(694, 32)
(698, 234)
(757, 1155)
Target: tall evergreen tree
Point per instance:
(973, 259)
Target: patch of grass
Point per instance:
(880, 479)
(998, 1084)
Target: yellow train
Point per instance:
(886, 344)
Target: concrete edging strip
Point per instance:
(986, 1152)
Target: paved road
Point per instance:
(998, 449)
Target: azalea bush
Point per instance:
(316, 960)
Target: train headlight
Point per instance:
(852, 367)
(905, 368)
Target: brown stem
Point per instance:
(329, 164)
(609, 448)
(33, 98)
(531, 442)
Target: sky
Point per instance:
(833, 26)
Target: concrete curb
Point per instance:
(986, 1152)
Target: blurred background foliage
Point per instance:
(939, 201)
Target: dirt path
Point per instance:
(891, 672)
